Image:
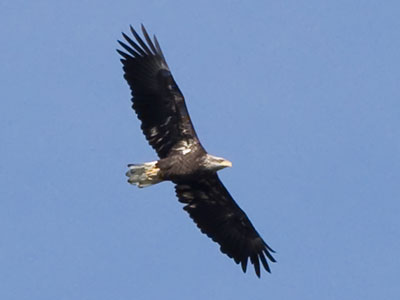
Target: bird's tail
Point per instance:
(144, 174)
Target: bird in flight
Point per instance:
(166, 124)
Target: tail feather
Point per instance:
(143, 174)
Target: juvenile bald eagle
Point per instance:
(160, 106)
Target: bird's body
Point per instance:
(166, 123)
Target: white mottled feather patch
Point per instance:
(153, 131)
(185, 147)
(186, 151)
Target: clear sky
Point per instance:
(302, 96)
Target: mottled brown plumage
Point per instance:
(166, 124)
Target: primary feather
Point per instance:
(156, 98)
(166, 124)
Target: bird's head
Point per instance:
(215, 163)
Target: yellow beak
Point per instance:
(226, 163)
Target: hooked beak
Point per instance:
(226, 163)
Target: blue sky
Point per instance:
(302, 96)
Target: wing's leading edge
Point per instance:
(157, 100)
(217, 215)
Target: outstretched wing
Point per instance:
(156, 98)
(217, 215)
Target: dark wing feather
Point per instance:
(217, 215)
(156, 98)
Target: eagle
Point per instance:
(166, 124)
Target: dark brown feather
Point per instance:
(156, 97)
(217, 215)
(166, 123)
